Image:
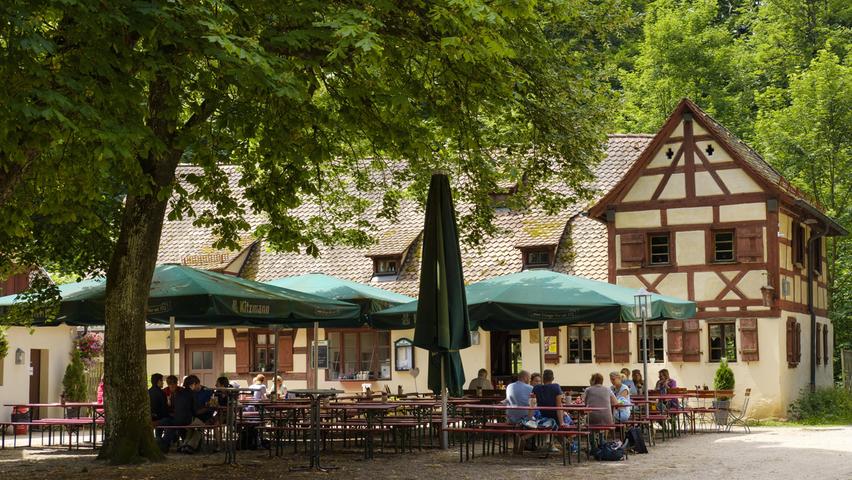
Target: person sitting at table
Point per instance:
(258, 388)
(535, 379)
(222, 397)
(620, 414)
(625, 379)
(159, 408)
(518, 395)
(665, 382)
(172, 387)
(280, 388)
(481, 381)
(205, 401)
(185, 410)
(549, 394)
(599, 397)
(637, 380)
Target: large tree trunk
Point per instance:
(129, 438)
(128, 434)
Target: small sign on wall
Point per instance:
(322, 353)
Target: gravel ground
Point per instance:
(765, 454)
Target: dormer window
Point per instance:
(538, 257)
(386, 266)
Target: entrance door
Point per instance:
(201, 364)
(35, 379)
(505, 356)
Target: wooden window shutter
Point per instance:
(791, 338)
(674, 340)
(603, 342)
(798, 342)
(632, 249)
(285, 352)
(826, 355)
(241, 344)
(621, 343)
(750, 244)
(749, 349)
(691, 340)
(818, 340)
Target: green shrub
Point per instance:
(74, 381)
(4, 344)
(832, 405)
(724, 378)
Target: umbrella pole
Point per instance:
(645, 364)
(315, 350)
(275, 365)
(171, 345)
(444, 439)
(541, 346)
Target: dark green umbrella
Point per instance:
(443, 326)
(193, 297)
(521, 300)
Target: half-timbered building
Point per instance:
(691, 212)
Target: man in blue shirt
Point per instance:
(549, 394)
(518, 395)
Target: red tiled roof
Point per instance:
(582, 241)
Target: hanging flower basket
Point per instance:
(91, 347)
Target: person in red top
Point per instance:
(101, 394)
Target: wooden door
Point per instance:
(201, 363)
(35, 379)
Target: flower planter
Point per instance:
(722, 412)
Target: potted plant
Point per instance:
(723, 380)
(74, 382)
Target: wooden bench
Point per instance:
(465, 452)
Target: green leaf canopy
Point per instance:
(521, 300)
(444, 326)
(201, 298)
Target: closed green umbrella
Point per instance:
(443, 326)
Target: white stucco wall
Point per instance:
(56, 343)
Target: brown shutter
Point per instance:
(797, 343)
(674, 340)
(818, 340)
(749, 349)
(603, 343)
(285, 352)
(632, 249)
(621, 343)
(791, 338)
(825, 350)
(241, 344)
(691, 341)
(750, 244)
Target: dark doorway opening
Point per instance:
(505, 356)
(35, 379)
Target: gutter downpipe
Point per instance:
(811, 309)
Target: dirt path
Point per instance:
(765, 454)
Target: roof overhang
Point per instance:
(833, 229)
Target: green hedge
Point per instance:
(831, 405)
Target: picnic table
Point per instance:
(67, 422)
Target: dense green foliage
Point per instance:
(825, 406)
(724, 377)
(74, 380)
